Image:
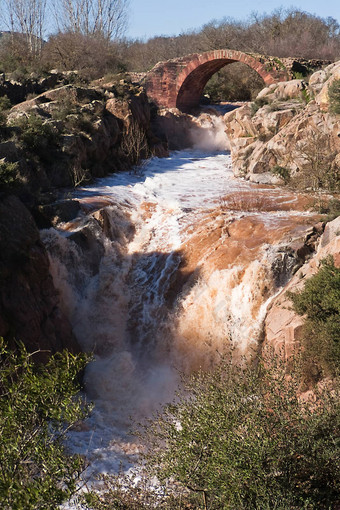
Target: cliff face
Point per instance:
(289, 134)
(29, 307)
(286, 131)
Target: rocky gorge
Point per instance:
(71, 134)
(160, 243)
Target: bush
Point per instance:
(8, 174)
(320, 302)
(240, 438)
(38, 137)
(329, 207)
(91, 56)
(247, 443)
(282, 172)
(334, 97)
(257, 104)
(5, 103)
(318, 165)
(37, 406)
(234, 82)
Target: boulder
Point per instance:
(283, 90)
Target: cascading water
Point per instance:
(171, 266)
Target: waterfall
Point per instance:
(170, 268)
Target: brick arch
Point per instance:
(180, 82)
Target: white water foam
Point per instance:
(121, 312)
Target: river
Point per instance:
(183, 267)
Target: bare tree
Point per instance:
(104, 18)
(27, 18)
(134, 143)
(318, 166)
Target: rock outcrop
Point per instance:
(286, 131)
(282, 325)
(17, 88)
(71, 134)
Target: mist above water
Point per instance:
(211, 135)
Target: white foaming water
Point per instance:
(133, 315)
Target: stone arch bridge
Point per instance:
(179, 83)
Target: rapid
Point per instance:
(166, 268)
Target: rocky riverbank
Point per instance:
(289, 133)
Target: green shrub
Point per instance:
(257, 104)
(334, 97)
(240, 438)
(37, 406)
(297, 75)
(319, 301)
(38, 137)
(66, 106)
(305, 95)
(8, 174)
(234, 82)
(80, 122)
(282, 172)
(5, 103)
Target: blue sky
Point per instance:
(171, 17)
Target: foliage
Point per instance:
(320, 302)
(37, 137)
(298, 75)
(8, 174)
(282, 172)
(334, 97)
(25, 18)
(283, 32)
(305, 96)
(257, 104)
(5, 103)
(38, 405)
(120, 494)
(134, 143)
(91, 56)
(330, 207)
(240, 438)
(234, 82)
